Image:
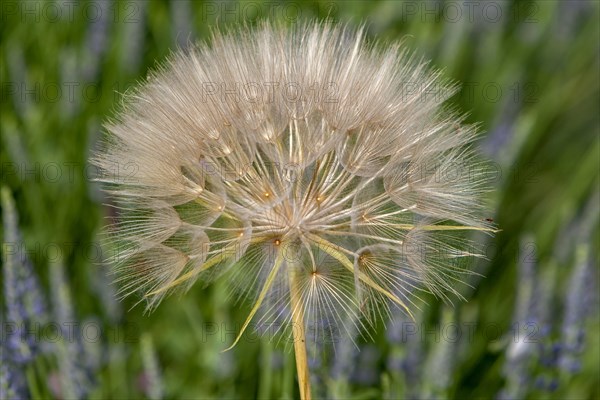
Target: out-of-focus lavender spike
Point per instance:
(540, 304)
(12, 386)
(582, 288)
(101, 285)
(12, 379)
(75, 379)
(365, 371)
(579, 230)
(135, 23)
(316, 365)
(181, 22)
(93, 349)
(502, 132)
(441, 361)
(587, 225)
(569, 17)
(67, 386)
(579, 304)
(406, 354)
(531, 354)
(519, 350)
(498, 137)
(25, 304)
(345, 350)
(61, 295)
(153, 386)
(6, 391)
(96, 38)
(567, 237)
(526, 278)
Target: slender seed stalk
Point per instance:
(298, 330)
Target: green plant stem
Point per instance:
(298, 331)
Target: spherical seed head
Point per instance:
(293, 156)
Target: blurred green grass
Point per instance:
(529, 76)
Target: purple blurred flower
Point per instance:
(151, 379)
(25, 306)
(76, 379)
(582, 287)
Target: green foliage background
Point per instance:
(530, 76)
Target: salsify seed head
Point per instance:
(297, 161)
